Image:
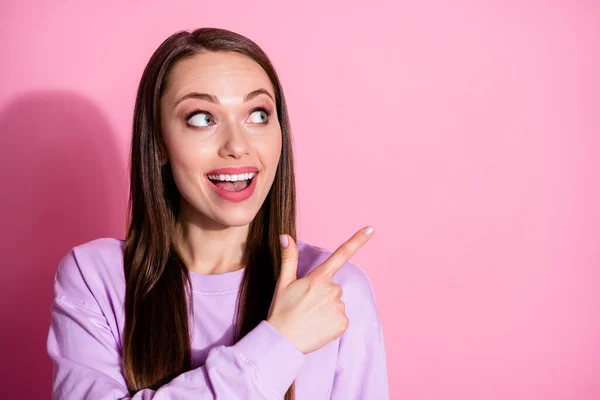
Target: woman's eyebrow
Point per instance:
(213, 99)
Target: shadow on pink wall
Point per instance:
(63, 183)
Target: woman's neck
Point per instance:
(210, 249)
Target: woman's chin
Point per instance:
(235, 216)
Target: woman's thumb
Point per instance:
(289, 261)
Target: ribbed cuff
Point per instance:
(277, 359)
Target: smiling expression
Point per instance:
(219, 111)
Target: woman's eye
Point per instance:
(260, 116)
(200, 119)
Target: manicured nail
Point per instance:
(283, 240)
(369, 230)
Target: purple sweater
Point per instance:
(85, 338)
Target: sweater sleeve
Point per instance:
(87, 362)
(361, 372)
(364, 378)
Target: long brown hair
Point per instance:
(156, 345)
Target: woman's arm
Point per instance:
(361, 372)
(87, 362)
(363, 376)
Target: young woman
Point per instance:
(210, 296)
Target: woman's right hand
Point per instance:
(309, 311)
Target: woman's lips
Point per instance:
(235, 197)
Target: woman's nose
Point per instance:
(234, 141)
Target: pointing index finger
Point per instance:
(343, 253)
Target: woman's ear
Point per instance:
(163, 158)
(163, 155)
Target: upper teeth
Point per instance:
(233, 178)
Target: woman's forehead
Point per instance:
(229, 76)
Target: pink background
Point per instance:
(467, 133)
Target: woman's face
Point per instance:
(219, 112)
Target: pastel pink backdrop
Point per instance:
(467, 133)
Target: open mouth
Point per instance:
(232, 186)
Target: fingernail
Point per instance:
(283, 240)
(369, 230)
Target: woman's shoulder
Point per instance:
(102, 255)
(90, 271)
(358, 294)
(353, 279)
(311, 256)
